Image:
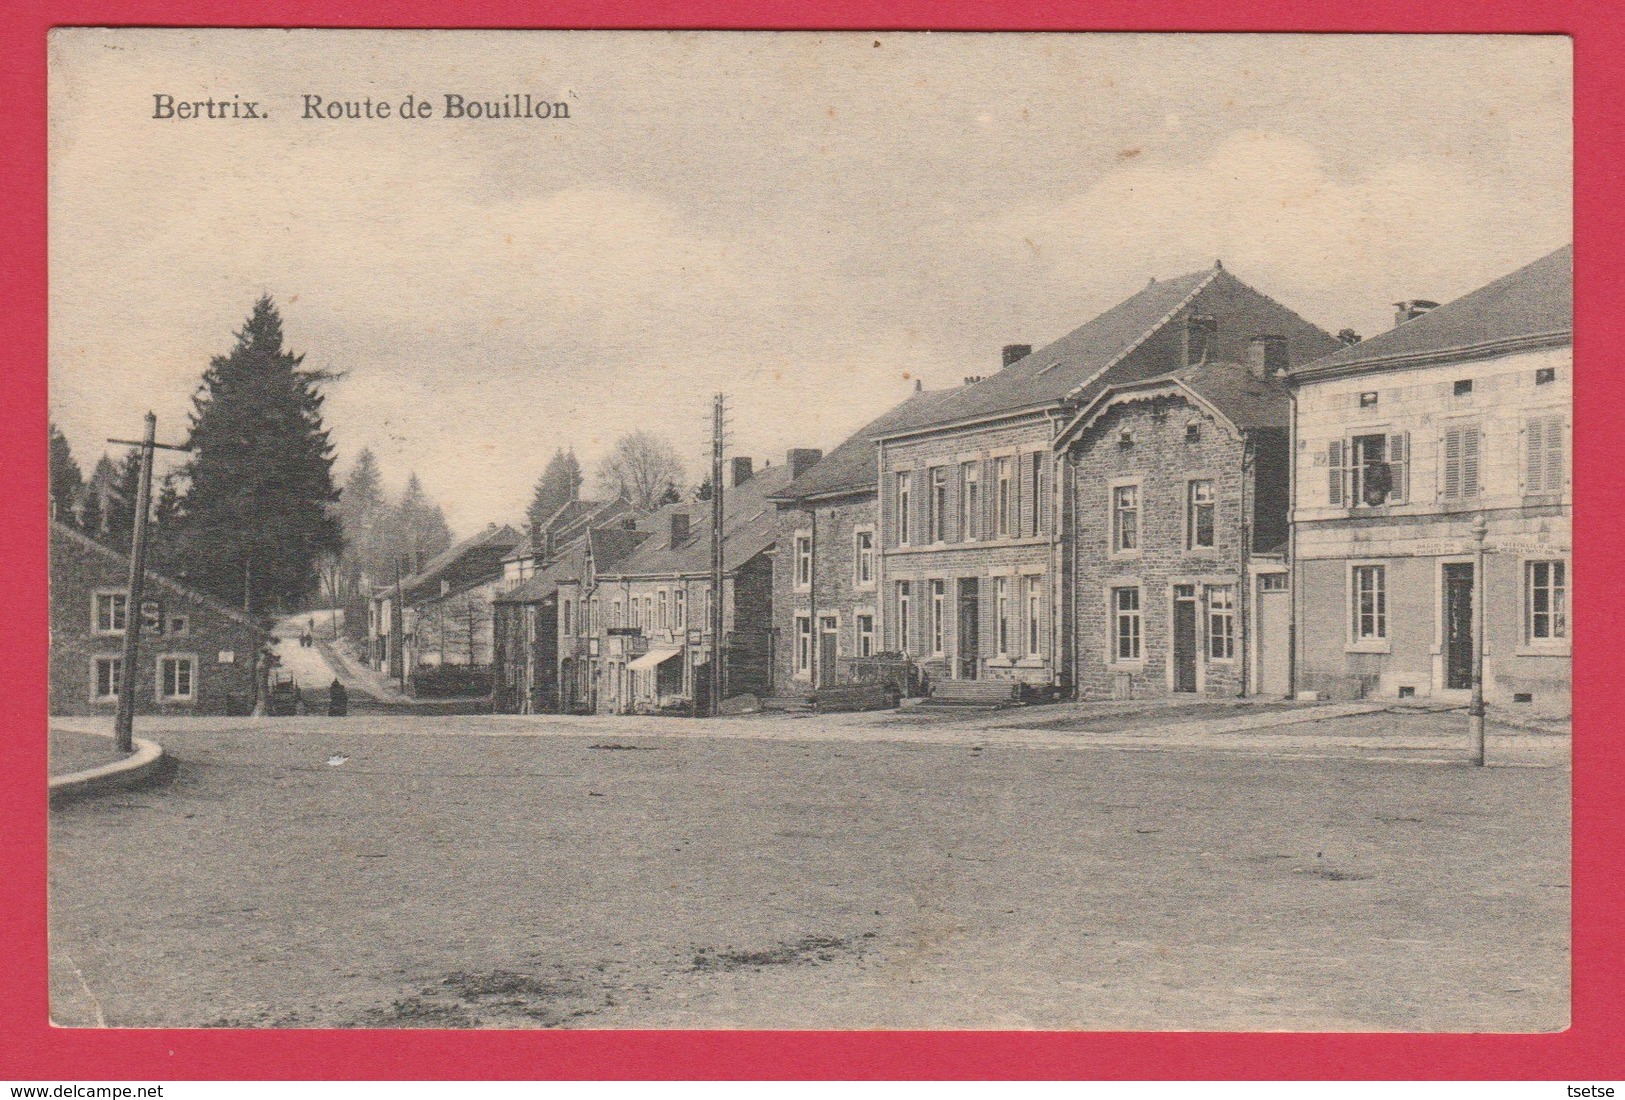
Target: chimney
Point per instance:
(972, 379)
(802, 459)
(742, 470)
(1412, 309)
(1266, 356)
(1016, 352)
(679, 529)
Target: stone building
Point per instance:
(1458, 416)
(447, 607)
(197, 654)
(826, 591)
(640, 632)
(974, 555)
(1179, 486)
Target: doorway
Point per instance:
(1458, 625)
(1274, 635)
(827, 634)
(1185, 637)
(969, 634)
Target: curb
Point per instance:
(134, 769)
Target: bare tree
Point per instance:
(641, 467)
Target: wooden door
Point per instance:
(1185, 637)
(1458, 626)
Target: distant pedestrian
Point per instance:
(298, 701)
(338, 700)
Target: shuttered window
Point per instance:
(1334, 472)
(1461, 465)
(1544, 464)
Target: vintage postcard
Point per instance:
(648, 530)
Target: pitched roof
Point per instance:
(62, 530)
(1229, 389)
(609, 546)
(1065, 367)
(749, 525)
(1533, 305)
(502, 538)
(851, 467)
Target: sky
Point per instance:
(811, 223)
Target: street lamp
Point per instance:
(1475, 708)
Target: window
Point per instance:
(1369, 603)
(1545, 376)
(1125, 438)
(1546, 619)
(661, 614)
(863, 557)
(1193, 431)
(937, 513)
(109, 675)
(970, 500)
(112, 611)
(803, 645)
(1034, 494)
(866, 635)
(903, 480)
(679, 609)
(179, 625)
(1003, 502)
(1544, 467)
(1368, 399)
(803, 561)
(902, 615)
(1369, 470)
(176, 676)
(1199, 515)
(637, 612)
(593, 616)
(1001, 613)
(1272, 582)
(938, 609)
(1462, 388)
(1221, 622)
(649, 611)
(564, 618)
(1035, 604)
(1460, 469)
(709, 610)
(1126, 624)
(1125, 519)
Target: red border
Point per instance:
(1591, 1048)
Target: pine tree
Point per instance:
(118, 519)
(364, 514)
(67, 480)
(421, 525)
(559, 484)
(168, 516)
(259, 509)
(98, 491)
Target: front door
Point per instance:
(1185, 637)
(1458, 625)
(826, 650)
(1274, 632)
(969, 635)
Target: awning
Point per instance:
(657, 656)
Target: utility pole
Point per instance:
(398, 628)
(124, 720)
(716, 555)
(1475, 708)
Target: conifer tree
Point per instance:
(259, 510)
(67, 480)
(421, 526)
(559, 484)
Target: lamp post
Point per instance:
(1475, 708)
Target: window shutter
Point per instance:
(1555, 465)
(1399, 462)
(1451, 445)
(1334, 471)
(1469, 461)
(1534, 444)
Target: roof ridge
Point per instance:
(1212, 273)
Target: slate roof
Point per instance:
(609, 546)
(749, 527)
(852, 466)
(1247, 402)
(1531, 305)
(62, 530)
(1066, 367)
(502, 538)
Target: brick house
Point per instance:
(645, 640)
(826, 592)
(974, 555)
(529, 667)
(197, 654)
(1459, 414)
(1179, 486)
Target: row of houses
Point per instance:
(1197, 491)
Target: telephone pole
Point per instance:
(1475, 708)
(717, 427)
(124, 720)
